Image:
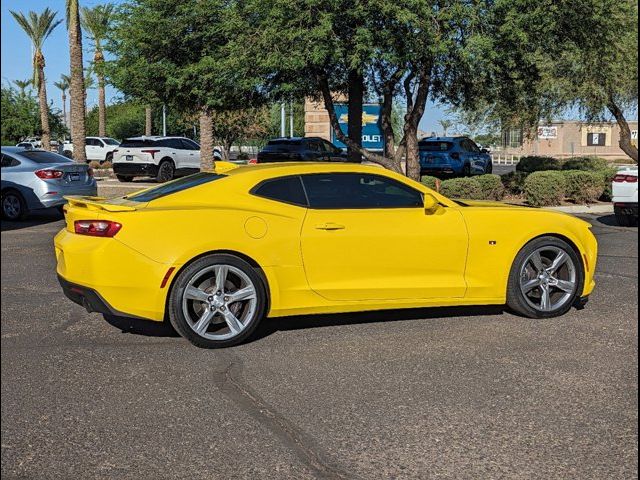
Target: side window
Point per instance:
(99, 143)
(329, 147)
(358, 190)
(8, 161)
(313, 146)
(189, 144)
(287, 190)
(89, 142)
(171, 143)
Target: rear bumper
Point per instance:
(626, 208)
(426, 169)
(132, 169)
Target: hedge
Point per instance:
(430, 182)
(582, 186)
(545, 188)
(514, 182)
(465, 187)
(491, 187)
(585, 163)
(538, 164)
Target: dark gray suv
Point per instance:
(301, 149)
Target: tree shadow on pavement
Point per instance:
(270, 326)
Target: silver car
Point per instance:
(36, 179)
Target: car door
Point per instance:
(315, 151)
(473, 153)
(367, 237)
(92, 147)
(191, 154)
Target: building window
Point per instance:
(596, 139)
(512, 138)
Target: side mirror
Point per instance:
(431, 204)
(484, 150)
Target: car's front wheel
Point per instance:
(217, 301)
(489, 168)
(546, 279)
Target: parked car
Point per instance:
(25, 145)
(161, 157)
(453, 156)
(35, 179)
(625, 196)
(35, 141)
(218, 251)
(98, 149)
(301, 149)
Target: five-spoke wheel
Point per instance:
(546, 278)
(217, 301)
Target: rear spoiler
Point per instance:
(97, 203)
(221, 167)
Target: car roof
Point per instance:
(13, 149)
(281, 169)
(151, 137)
(294, 139)
(442, 139)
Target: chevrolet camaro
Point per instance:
(217, 251)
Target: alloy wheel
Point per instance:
(219, 302)
(11, 206)
(548, 278)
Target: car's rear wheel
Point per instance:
(124, 178)
(165, 171)
(13, 205)
(466, 170)
(489, 168)
(546, 279)
(217, 301)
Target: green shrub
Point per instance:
(466, 187)
(538, 164)
(607, 175)
(491, 187)
(514, 182)
(430, 182)
(582, 186)
(545, 188)
(585, 163)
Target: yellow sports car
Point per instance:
(217, 251)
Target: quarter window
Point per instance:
(358, 190)
(287, 190)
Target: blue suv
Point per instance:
(453, 156)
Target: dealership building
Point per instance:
(568, 139)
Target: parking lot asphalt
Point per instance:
(440, 393)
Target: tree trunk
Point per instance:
(625, 132)
(412, 152)
(412, 120)
(102, 108)
(44, 109)
(206, 140)
(78, 110)
(355, 109)
(147, 121)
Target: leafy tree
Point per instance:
(77, 88)
(38, 27)
(96, 22)
(446, 125)
(231, 126)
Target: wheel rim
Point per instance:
(11, 206)
(219, 302)
(548, 279)
(165, 171)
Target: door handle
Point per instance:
(330, 226)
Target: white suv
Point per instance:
(161, 157)
(625, 196)
(98, 149)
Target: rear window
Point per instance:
(436, 146)
(174, 187)
(138, 143)
(282, 145)
(41, 156)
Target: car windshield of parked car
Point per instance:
(358, 190)
(176, 186)
(134, 143)
(111, 141)
(436, 146)
(282, 145)
(41, 156)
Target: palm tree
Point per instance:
(38, 27)
(63, 86)
(96, 21)
(147, 121)
(78, 110)
(22, 86)
(446, 125)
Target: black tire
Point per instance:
(489, 168)
(124, 179)
(14, 207)
(193, 271)
(466, 170)
(516, 299)
(108, 158)
(166, 171)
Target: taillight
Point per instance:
(252, 161)
(97, 228)
(620, 178)
(152, 152)
(49, 174)
(90, 172)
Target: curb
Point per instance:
(583, 209)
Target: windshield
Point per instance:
(138, 143)
(176, 186)
(111, 141)
(282, 145)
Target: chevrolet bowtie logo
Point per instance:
(367, 118)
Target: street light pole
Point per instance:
(164, 120)
(283, 121)
(291, 119)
